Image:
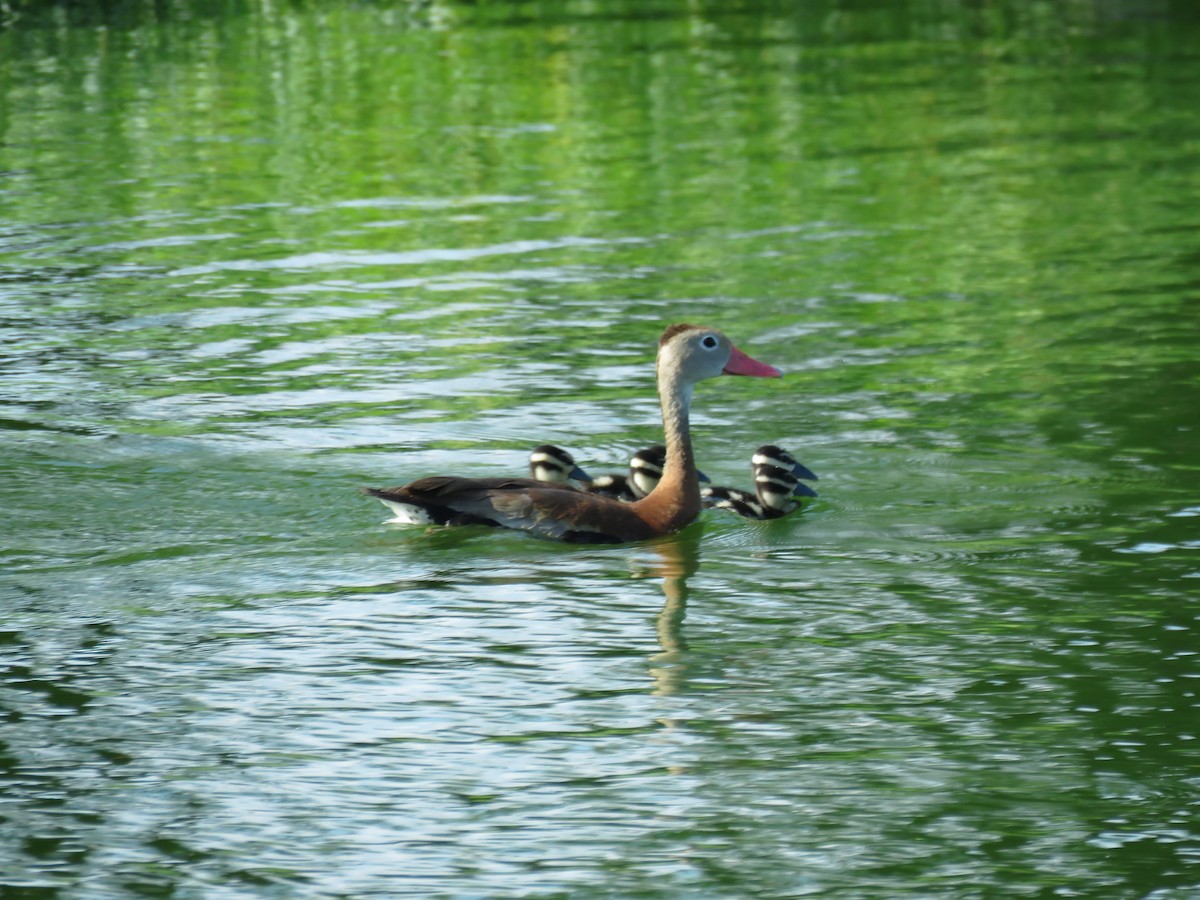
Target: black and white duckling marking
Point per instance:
(744, 503)
(775, 489)
(770, 455)
(645, 472)
(554, 465)
(777, 482)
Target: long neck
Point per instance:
(676, 500)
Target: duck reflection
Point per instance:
(677, 559)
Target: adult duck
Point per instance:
(645, 472)
(687, 354)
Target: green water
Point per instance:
(256, 255)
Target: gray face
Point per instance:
(695, 353)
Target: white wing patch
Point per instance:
(406, 513)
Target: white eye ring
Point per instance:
(708, 342)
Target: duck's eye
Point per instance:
(708, 342)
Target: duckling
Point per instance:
(744, 503)
(645, 471)
(776, 487)
(777, 477)
(770, 455)
(555, 465)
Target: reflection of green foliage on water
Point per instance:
(486, 181)
(254, 255)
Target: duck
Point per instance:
(777, 477)
(687, 354)
(554, 465)
(772, 455)
(775, 489)
(645, 471)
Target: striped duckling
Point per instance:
(554, 465)
(777, 482)
(645, 472)
(771, 455)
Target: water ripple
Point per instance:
(355, 259)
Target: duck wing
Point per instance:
(518, 503)
(436, 500)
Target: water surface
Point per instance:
(254, 258)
